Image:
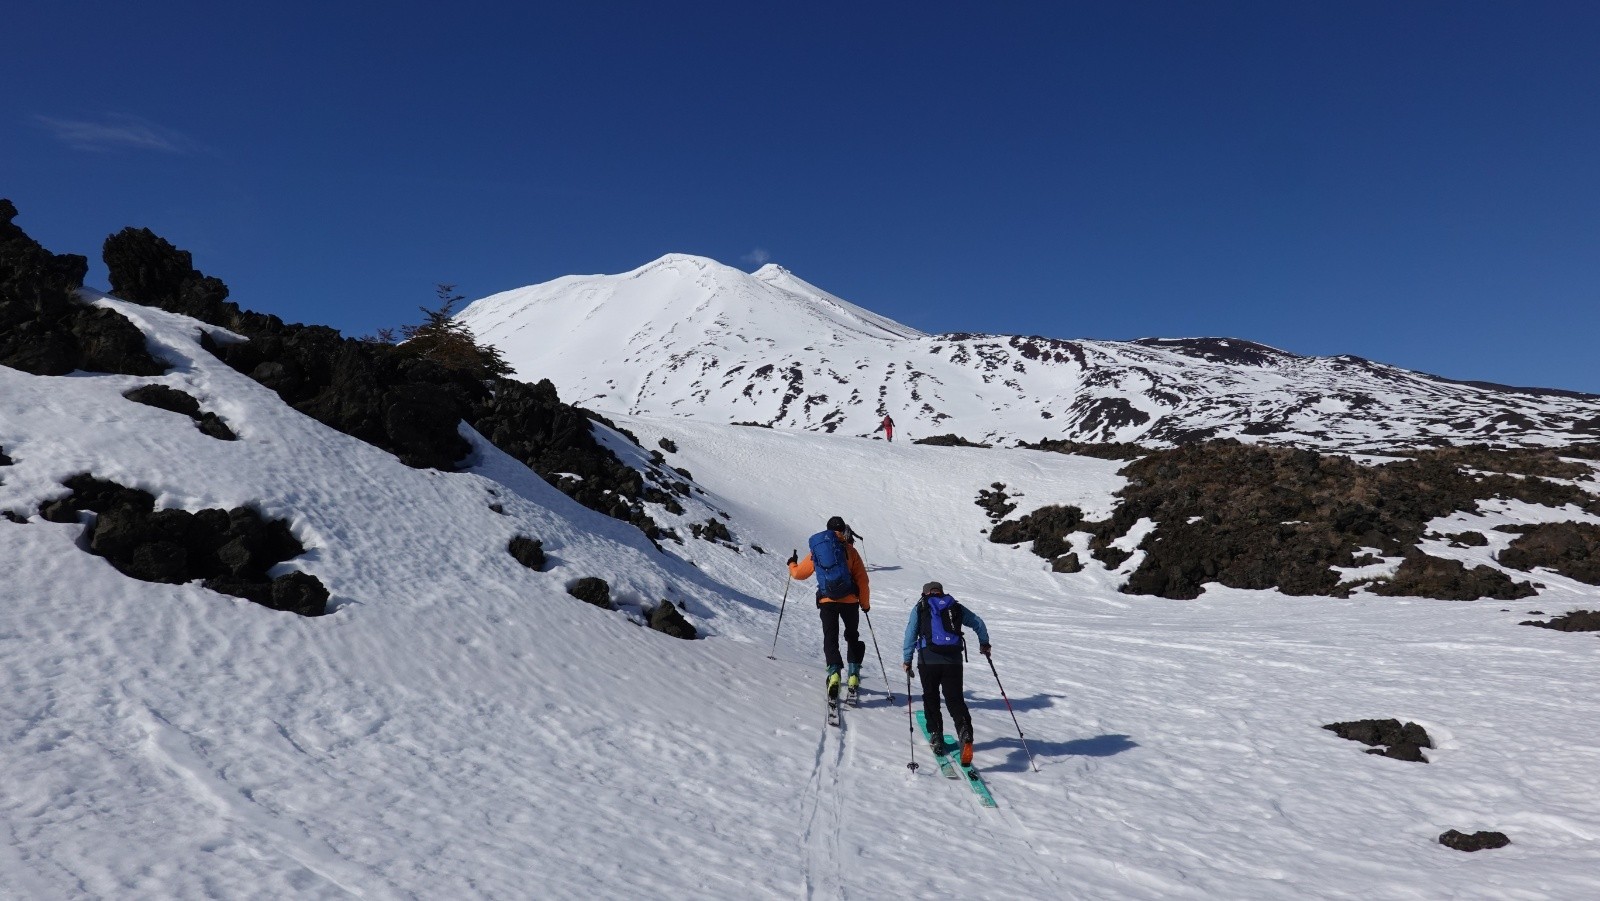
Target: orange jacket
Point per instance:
(858, 570)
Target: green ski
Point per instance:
(973, 779)
(945, 765)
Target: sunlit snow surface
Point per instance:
(686, 336)
(460, 727)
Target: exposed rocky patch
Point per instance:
(165, 398)
(996, 503)
(231, 551)
(951, 440)
(1569, 548)
(1101, 450)
(592, 590)
(527, 551)
(1421, 575)
(1477, 841)
(44, 328)
(1528, 461)
(1389, 737)
(1047, 527)
(711, 530)
(1576, 621)
(1468, 539)
(384, 394)
(668, 619)
(668, 445)
(1259, 517)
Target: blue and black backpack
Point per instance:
(939, 622)
(832, 562)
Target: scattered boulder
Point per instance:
(527, 551)
(4, 460)
(1402, 742)
(666, 618)
(593, 590)
(171, 399)
(995, 502)
(711, 530)
(1066, 563)
(1576, 621)
(44, 328)
(1477, 841)
(668, 445)
(230, 550)
(1420, 575)
(1569, 548)
(1468, 539)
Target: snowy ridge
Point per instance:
(686, 336)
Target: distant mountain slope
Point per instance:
(687, 336)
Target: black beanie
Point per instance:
(836, 524)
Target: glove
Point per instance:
(907, 667)
(794, 558)
(984, 650)
(866, 606)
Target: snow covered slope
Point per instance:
(687, 336)
(459, 726)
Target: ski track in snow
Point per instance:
(460, 727)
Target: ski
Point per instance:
(852, 697)
(945, 765)
(833, 711)
(979, 787)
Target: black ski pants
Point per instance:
(833, 615)
(946, 678)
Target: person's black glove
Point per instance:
(984, 650)
(794, 558)
(907, 668)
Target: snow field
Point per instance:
(459, 727)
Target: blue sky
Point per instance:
(1417, 183)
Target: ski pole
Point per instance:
(1013, 713)
(874, 633)
(911, 730)
(781, 605)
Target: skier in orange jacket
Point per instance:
(842, 593)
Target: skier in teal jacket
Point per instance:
(934, 630)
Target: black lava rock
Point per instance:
(1576, 621)
(44, 329)
(229, 551)
(528, 551)
(1403, 742)
(1477, 841)
(593, 590)
(165, 398)
(666, 618)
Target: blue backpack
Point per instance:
(939, 622)
(832, 562)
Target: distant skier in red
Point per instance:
(887, 426)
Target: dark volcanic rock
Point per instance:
(1046, 527)
(171, 399)
(1449, 580)
(230, 550)
(668, 445)
(1251, 516)
(44, 329)
(4, 460)
(948, 441)
(1104, 450)
(528, 551)
(1477, 841)
(593, 590)
(1576, 621)
(711, 530)
(995, 502)
(1569, 548)
(666, 618)
(384, 394)
(1403, 742)
(1068, 563)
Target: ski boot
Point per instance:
(853, 678)
(833, 682)
(966, 745)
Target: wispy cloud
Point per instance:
(757, 257)
(116, 132)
